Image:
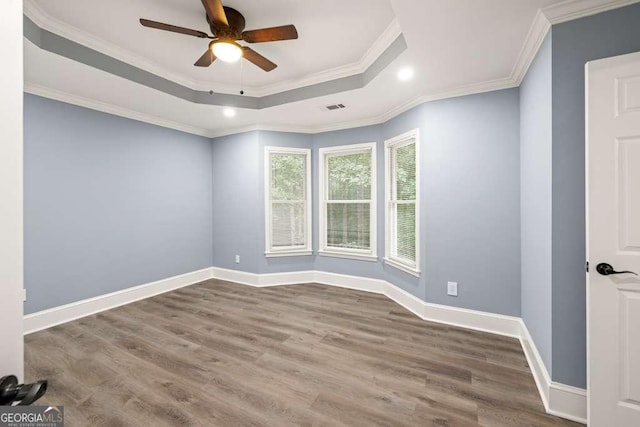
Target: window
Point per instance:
(287, 201)
(347, 194)
(401, 192)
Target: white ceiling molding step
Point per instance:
(59, 45)
(382, 43)
(376, 120)
(92, 104)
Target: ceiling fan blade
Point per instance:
(206, 59)
(215, 10)
(257, 59)
(286, 32)
(174, 28)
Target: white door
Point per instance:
(613, 238)
(11, 188)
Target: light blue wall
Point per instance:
(110, 203)
(237, 202)
(471, 194)
(535, 200)
(574, 43)
(469, 157)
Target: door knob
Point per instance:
(606, 269)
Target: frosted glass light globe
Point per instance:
(228, 52)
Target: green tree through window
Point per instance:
(348, 209)
(288, 214)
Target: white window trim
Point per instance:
(396, 262)
(351, 254)
(291, 250)
(324, 249)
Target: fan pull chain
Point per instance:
(241, 77)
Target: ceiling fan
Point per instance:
(227, 26)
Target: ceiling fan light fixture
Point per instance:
(227, 51)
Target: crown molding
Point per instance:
(260, 127)
(92, 104)
(473, 89)
(574, 9)
(117, 110)
(483, 87)
(388, 36)
(555, 14)
(537, 32)
(44, 20)
(58, 95)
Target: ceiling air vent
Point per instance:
(335, 107)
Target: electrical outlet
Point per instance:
(237, 259)
(452, 289)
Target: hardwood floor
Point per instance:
(223, 354)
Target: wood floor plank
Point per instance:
(222, 354)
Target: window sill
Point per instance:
(287, 254)
(347, 255)
(402, 267)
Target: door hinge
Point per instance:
(586, 266)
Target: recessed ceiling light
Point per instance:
(405, 73)
(229, 112)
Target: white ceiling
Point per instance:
(463, 42)
(455, 46)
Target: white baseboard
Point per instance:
(471, 319)
(65, 313)
(559, 399)
(358, 283)
(538, 369)
(568, 402)
(236, 276)
(263, 280)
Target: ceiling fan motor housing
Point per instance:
(227, 26)
(234, 30)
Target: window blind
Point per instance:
(402, 203)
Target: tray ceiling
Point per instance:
(455, 47)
